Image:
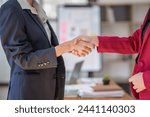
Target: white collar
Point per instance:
(25, 5)
(37, 9)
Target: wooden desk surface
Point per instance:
(125, 97)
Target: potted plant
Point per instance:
(106, 80)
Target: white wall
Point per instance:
(2, 1)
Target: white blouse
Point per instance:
(39, 11)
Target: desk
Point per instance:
(125, 97)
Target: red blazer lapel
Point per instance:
(145, 19)
(147, 34)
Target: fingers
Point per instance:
(87, 44)
(83, 46)
(79, 54)
(82, 53)
(83, 38)
(90, 39)
(132, 80)
(138, 83)
(134, 87)
(138, 90)
(84, 49)
(76, 41)
(84, 42)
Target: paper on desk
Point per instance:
(74, 89)
(90, 80)
(86, 91)
(92, 94)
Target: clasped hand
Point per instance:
(138, 82)
(83, 45)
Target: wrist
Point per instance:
(95, 40)
(67, 46)
(63, 48)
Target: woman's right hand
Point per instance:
(93, 40)
(82, 48)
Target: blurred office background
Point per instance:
(118, 17)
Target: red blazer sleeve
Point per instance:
(122, 45)
(146, 79)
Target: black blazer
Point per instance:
(36, 72)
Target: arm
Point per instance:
(17, 46)
(114, 44)
(16, 43)
(123, 45)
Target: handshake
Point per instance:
(82, 45)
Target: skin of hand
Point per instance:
(138, 82)
(89, 39)
(83, 48)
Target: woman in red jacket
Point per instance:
(139, 43)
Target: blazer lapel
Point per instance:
(54, 39)
(34, 17)
(147, 33)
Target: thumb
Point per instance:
(85, 38)
(130, 79)
(76, 41)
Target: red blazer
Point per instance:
(132, 45)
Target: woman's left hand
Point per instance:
(138, 82)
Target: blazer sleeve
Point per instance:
(16, 43)
(122, 45)
(146, 79)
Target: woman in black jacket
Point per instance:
(33, 52)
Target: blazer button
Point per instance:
(140, 64)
